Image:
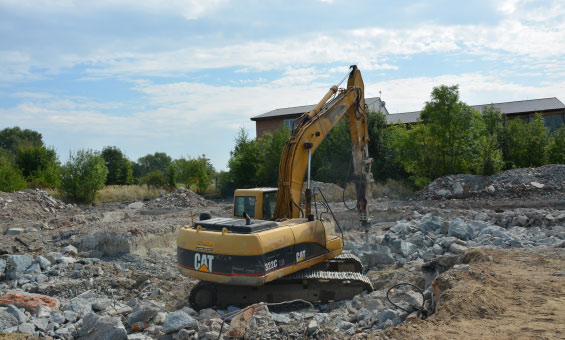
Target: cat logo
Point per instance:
(300, 255)
(203, 262)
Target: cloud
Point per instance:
(474, 89)
(189, 9)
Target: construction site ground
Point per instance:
(126, 252)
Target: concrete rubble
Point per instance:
(108, 271)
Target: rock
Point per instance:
(386, 315)
(491, 189)
(28, 301)
(212, 335)
(100, 305)
(457, 188)
(54, 257)
(136, 205)
(437, 249)
(311, 327)
(80, 305)
(522, 220)
(43, 262)
(26, 328)
(7, 320)
(481, 216)
(344, 325)
(95, 327)
(70, 316)
(414, 299)
(190, 311)
(40, 324)
(57, 318)
(376, 258)
(2, 266)
(208, 313)
(430, 226)
(185, 334)
(443, 192)
(460, 229)
(143, 312)
(400, 228)
(19, 264)
(280, 318)
(33, 269)
(17, 313)
(160, 318)
(14, 231)
(457, 248)
(537, 185)
(178, 320)
(70, 250)
(42, 311)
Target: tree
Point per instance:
(120, 171)
(490, 154)
(537, 143)
(150, 162)
(245, 161)
(171, 175)
(13, 138)
(197, 171)
(557, 147)
(271, 146)
(331, 160)
(514, 140)
(83, 175)
(385, 162)
(39, 165)
(453, 127)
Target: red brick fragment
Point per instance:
(28, 301)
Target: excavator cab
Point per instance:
(258, 203)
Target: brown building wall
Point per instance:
(267, 125)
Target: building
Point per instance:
(275, 119)
(551, 109)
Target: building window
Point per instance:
(289, 123)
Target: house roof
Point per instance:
(373, 103)
(508, 108)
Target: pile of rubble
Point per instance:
(31, 204)
(180, 198)
(427, 237)
(545, 181)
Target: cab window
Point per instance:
(244, 203)
(269, 202)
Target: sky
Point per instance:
(183, 76)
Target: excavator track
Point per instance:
(309, 285)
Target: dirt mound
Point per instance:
(545, 181)
(180, 198)
(517, 295)
(30, 205)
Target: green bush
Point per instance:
(154, 179)
(83, 175)
(557, 147)
(11, 179)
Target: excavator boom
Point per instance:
(310, 130)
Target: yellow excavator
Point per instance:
(274, 249)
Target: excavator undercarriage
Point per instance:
(337, 279)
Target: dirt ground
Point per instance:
(507, 294)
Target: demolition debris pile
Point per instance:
(545, 181)
(181, 198)
(109, 271)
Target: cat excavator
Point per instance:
(274, 248)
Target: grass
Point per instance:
(119, 193)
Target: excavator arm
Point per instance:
(309, 131)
